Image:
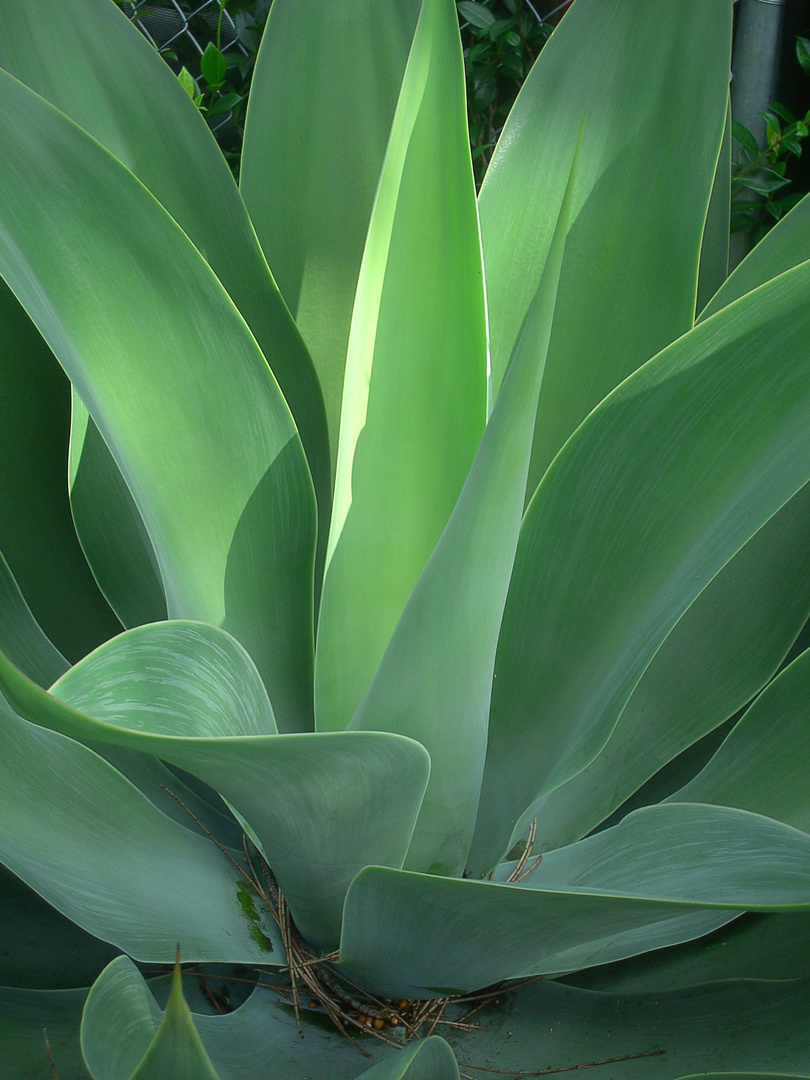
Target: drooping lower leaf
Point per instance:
(190, 695)
(114, 864)
(662, 876)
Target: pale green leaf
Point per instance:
(435, 680)
(323, 95)
(406, 443)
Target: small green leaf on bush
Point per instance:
(744, 136)
(224, 104)
(802, 53)
(476, 14)
(212, 65)
(186, 80)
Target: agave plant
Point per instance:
(402, 604)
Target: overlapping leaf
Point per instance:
(37, 536)
(725, 647)
(435, 680)
(228, 504)
(657, 490)
(189, 694)
(324, 90)
(406, 443)
(664, 875)
(85, 59)
(630, 273)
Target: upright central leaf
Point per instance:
(414, 398)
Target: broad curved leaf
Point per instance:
(657, 878)
(228, 504)
(85, 59)
(723, 650)
(649, 471)
(115, 864)
(119, 1021)
(406, 443)
(184, 692)
(630, 273)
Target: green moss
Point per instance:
(248, 905)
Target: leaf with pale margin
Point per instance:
(406, 444)
(648, 472)
(323, 95)
(228, 505)
(85, 58)
(629, 277)
(189, 694)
